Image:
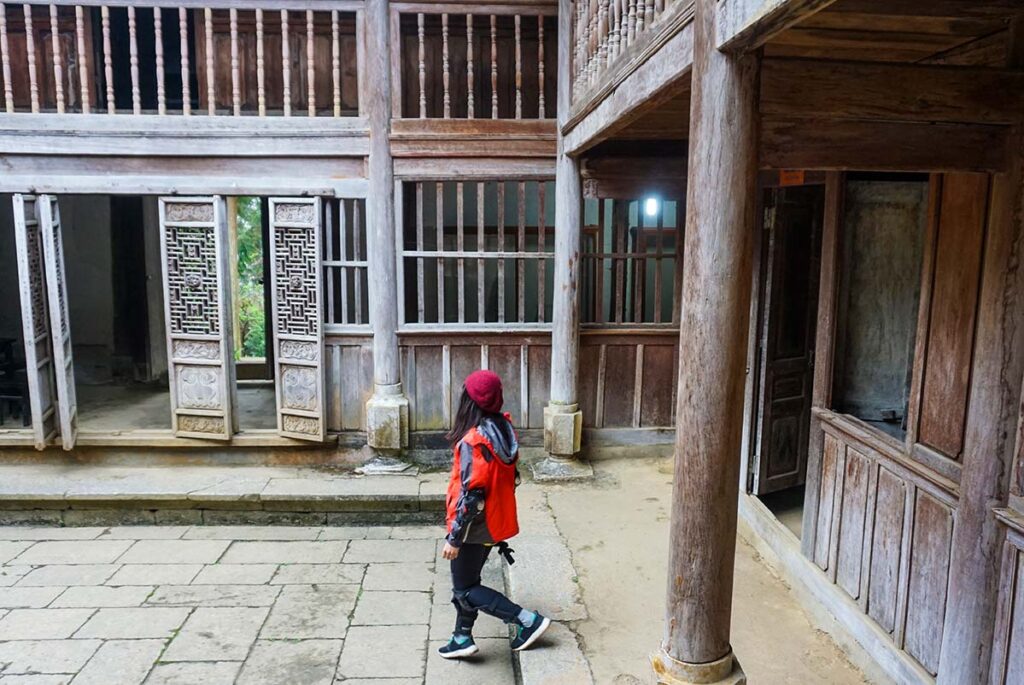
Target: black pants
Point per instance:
(470, 597)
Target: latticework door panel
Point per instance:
(48, 214)
(193, 241)
(35, 320)
(298, 316)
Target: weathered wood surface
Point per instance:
(749, 24)
(881, 146)
(720, 224)
(890, 92)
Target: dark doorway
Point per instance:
(787, 320)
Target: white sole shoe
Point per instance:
(536, 634)
(469, 650)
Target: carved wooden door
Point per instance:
(788, 322)
(298, 317)
(194, 251)
(35, 320)
(48, 214)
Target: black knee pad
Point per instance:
(481, 598)
(461, 600)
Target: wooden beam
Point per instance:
(473, 138)
(881, 146)
(630, 178)
(894, 92)
(745, 25)
(933, 8)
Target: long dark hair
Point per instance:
(469, 415)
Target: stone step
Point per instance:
(76, 494)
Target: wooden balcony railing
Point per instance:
(492, 63)
(605, 30)
(215, 58)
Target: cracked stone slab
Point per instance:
(311, 611)
(236, 574)
(392, 608)
(175, 552)
(222, 673)
(27, 597)
(148, 622)
(318, 574)
(291, 552)
(214, 595)
(66, 575)
(362, 657)
(408, 576)
(555, 659)
(37, 533)
(492, 664)
(120, 662)
(155, 574)
(216, 634)
(46, 656)
(103, 596)
(253, 533)
(385, 551)
(11, 549)
(42, 624)
(74, 552)
(305, 662)
(144, 533)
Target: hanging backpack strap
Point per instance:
(506, 552)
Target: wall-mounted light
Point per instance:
(651, 206)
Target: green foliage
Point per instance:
(250, 276)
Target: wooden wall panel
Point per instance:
(829, 465)
(506, 361)
(428, 391)
(886, 543)
(656, 408)
(539, 382)
(619, 385)
(853, 510)
(590, 386)
(950, 337)
(349, 369)
(465, 359)
(929, 572)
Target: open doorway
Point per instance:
(15, 412)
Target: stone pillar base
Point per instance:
(563, 430)
(387, 419)
(725, 671)
(555, 469)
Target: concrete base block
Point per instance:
(554, 469)
(387, 419)
(725, 671)
(563, 429)
(386, 466)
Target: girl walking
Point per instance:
(481, 514)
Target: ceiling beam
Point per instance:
(892, 92)
(745, 25)
(881, 146)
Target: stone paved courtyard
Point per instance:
(246, 605)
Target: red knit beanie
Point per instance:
(484, 388)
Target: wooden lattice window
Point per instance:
(478, 252)
(630, 267)
(345, 277)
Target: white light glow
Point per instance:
(651, 206)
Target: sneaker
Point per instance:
(527, 636)
(458, 650)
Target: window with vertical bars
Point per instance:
(629, 261)
(344, 250)
(476, 253)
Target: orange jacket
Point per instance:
(481, 501)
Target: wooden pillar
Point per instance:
(714, 319)
(387, 411)
(991, 424)
(563, 421)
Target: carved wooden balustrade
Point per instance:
(607, 33)
(218, 58)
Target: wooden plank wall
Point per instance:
(1008, 647)
(622, 377)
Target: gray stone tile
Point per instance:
(120, 662)
(46, 656)
(555, 658)
(253, 533)
(392, 608)
(306, 662)
(406, 652)
(383, 681)
(12, 548)
(222, 673)
(27, 597)
(175, 552)
(40, 533)
(416, 533)
(354, 533)
(42, 624)
(214, 595)
(127, 624)
(35, 679)
(103, 596)
(311, 611)
(318, 487)
(9, 575)
(63, 574)
(144, 533)
(385, 551)
(544, 580)
(492, 664)
(318, 574)
(155, 574)
(74, 552)
(236, 574)
(216, 634)
(415, 577)
(290, 552)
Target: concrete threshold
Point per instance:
(86, 494)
